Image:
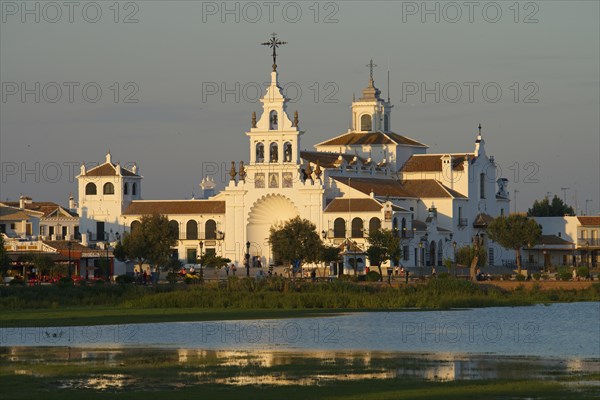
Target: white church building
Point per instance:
(363, 179)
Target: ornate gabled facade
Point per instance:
(367, 178)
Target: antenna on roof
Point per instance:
(388, 81)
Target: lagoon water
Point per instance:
(565, 330)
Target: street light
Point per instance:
(454, 256)
(70, 246)
(247, 259)
(201, 243)
(107, 259)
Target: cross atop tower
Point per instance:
(371, 66)
(274, 43)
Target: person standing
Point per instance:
(227, 270)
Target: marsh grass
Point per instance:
(280, 294)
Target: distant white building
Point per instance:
(568, 240)
(366, 178)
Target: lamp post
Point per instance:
(420, 254)
(247, 259)
(201, 243)
(454, 256)
(69, 246)
(107, 259)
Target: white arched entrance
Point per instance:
(269, 210)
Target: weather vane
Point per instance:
(371, 66)
(274, 43)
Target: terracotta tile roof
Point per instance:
(46, 207)
(420, 225)
(63, 245)
(15, 214)
(353, 205)
(411, 188)
(482, 220)
(430, 188)
(589, 221)
(170, 207)
(381, 187)
(328, 160)
(433, 162)
(362, 138)
(553, 240)
(108, 169)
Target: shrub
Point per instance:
(537, 276)
(506, 277)
(520, 277)
(373, 276)
(443, 275)
(564, 273)
(124, 279)
(545, 276)
(65, 281)
(583, 271)
(17, 280)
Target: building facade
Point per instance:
(367, 178)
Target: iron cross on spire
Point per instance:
(371, 66)
(274, 43)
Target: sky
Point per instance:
(171, 86)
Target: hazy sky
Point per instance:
(543, 128)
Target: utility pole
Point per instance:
(564, 190)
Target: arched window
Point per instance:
(133, 189)
(135, 225)
(395, 226)
(357, 228)
(374, 224)
(191, 230)
(108, 188)
(440, 254)
(260, 152)
(126, 188)
(287, 152)
(339, 228)
(273, 122)
(431, 254)
(273, 150)
(403, 229)
(90, 188)
(365, 122)
(210, 229)
(386, 123)
(174, 228)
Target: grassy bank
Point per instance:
(246, 298)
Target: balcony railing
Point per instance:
(583, 242)
(463, 222)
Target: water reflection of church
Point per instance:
(363, 179)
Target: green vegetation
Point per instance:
(296, 241)
(515, 232)
(545, 208)
(383, 246)
(466, 254)
(149, 242)
(249, 295)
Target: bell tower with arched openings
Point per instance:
(371, 113)
(274, 137)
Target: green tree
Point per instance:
(296, 240)
(383, 246)
(329, 254)
(466, 254)
(3, 257)
(514, 232)
(44, 264)
(213, 260)
(149, 243)
(545, 208)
